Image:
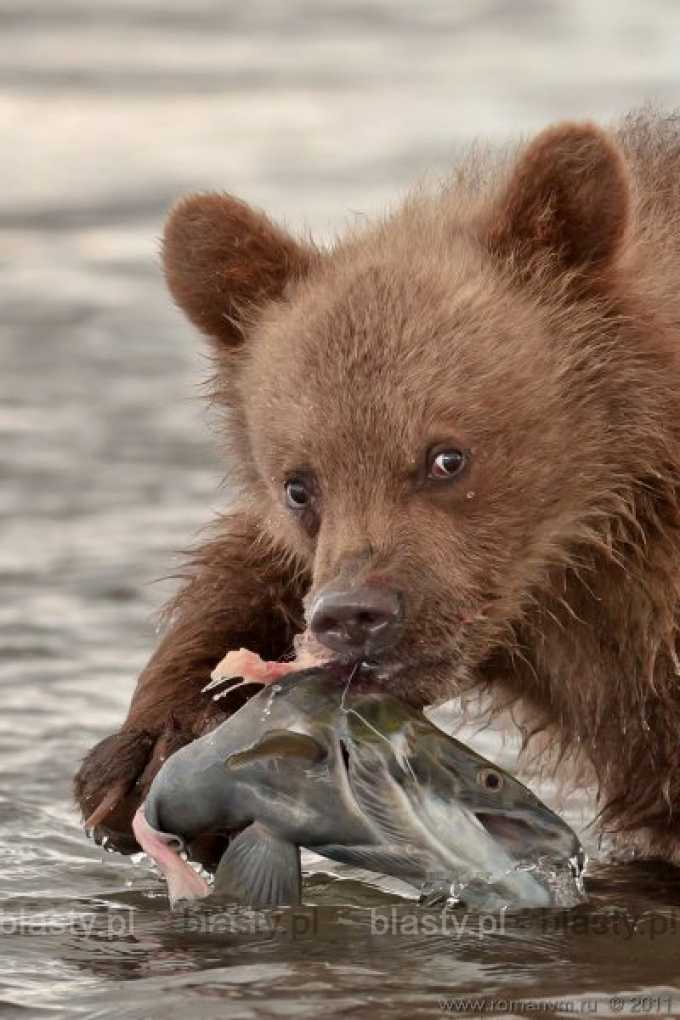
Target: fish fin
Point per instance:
(399, 806)
(382, 799)
(260, 870)
(402, 862)
(278, 744)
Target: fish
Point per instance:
(359, 777)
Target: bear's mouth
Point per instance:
(418, 681)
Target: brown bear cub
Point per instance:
(455, 439)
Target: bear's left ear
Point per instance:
(568, 197)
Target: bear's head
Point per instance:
(432, 417)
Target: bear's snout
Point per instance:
(362, 621)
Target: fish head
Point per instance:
(508, 810)
(425, 788)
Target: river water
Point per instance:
(109, 109)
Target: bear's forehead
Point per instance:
(386, 345)
(348, 358)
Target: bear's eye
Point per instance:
(446, 464)
(298, 495)
(490, 780)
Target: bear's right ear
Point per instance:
(222, 259)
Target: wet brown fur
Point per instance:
(530, 312)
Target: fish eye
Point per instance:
(490, 779)
(446, 463)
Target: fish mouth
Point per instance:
(524, 840)
(514, 833)
(543, 856)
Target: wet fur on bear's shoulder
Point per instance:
(528, 314)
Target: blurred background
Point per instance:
(109, 110)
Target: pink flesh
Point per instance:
(183, 882)
(250, 666)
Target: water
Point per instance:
(320, 112)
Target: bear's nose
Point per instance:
(357, 621)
